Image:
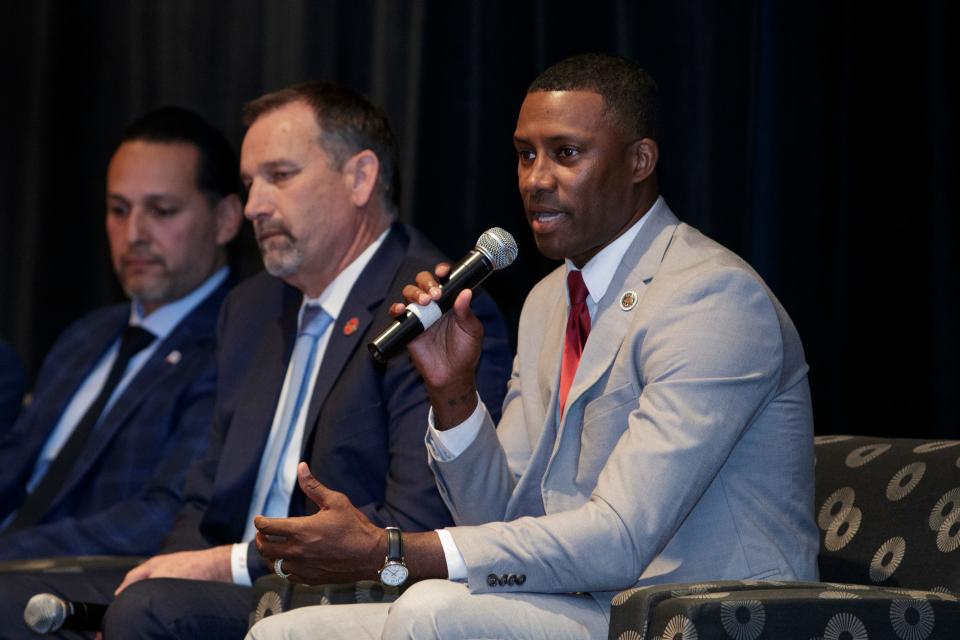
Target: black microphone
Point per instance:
(46, 613)
(495, 250)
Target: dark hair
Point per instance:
(348, 122)
(217, 168)
(630, 96)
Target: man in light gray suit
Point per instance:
(657, 427)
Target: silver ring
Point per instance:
(278, 568)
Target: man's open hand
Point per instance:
(335, 545)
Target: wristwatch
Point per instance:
(394, 571)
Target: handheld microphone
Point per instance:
(46, 613)
(495, 250)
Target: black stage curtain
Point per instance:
(816, 139)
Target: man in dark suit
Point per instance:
(319, 165)
(96, 464)
(12, 383)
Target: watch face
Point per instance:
(393, 574)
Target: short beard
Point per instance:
(154, 293)
(284, 261)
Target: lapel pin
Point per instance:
(173, 357)
(628, 300)
(350, 326)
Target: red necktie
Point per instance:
(578, 328)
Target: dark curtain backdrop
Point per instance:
(816, 139)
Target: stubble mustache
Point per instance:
(267, 229)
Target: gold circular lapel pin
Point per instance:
(628, 300)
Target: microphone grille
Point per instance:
(45, 612)
(499, 246)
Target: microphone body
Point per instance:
(495, 249)
(47, 613)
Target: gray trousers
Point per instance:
(443, 609)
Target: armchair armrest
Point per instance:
(743, 610)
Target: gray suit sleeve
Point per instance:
(476, 485)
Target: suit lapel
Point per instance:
(257, 402)
(551, 352)
(189, 335)
(365, 296)
(636, 270)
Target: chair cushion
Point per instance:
(889, 511)
(751, 610)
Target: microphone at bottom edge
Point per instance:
(46, 613)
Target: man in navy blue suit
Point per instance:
(319, 166)
(96, 464)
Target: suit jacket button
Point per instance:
(521, 579)
(512, 580)
(492, 580)
(503, 580)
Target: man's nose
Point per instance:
(538, 176)
(257, 204)
(138, 225)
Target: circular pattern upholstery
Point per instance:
(867, 453)
(905, 481)
(870, 491)
(836, 506)
(679, 627)
(789, 610)
(887, 558)
(623, 596)
(838, 595)
(269, 604)
(939, 445)
(888, 512)
(831, 439)
(842, 530)
(947, 506)
(743, 619)
(948, 536)
(845, 625)
(911, 619)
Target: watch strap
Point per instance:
(394, 544)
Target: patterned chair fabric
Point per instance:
(889, 518)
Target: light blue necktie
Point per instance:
(313, 324)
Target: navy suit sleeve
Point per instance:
(136, 525)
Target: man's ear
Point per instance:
(644, 154)
(361, 173)
(229, 214)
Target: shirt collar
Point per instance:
(599, 270)
(335, 295)
(162, 321)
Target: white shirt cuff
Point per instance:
(456, 567)
(238, 564)
(450, 443)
